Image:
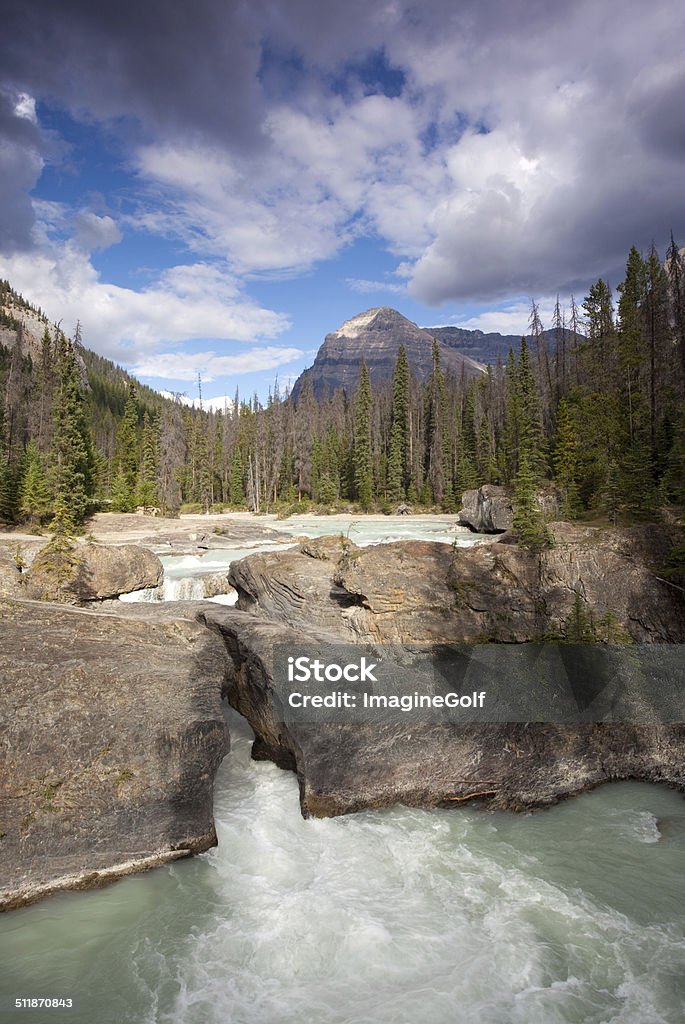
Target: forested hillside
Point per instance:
(598, 411)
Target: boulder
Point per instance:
(10, 573)
(297, 586)
(490, 509)
(112, 733)
(101, 572)
(487, 509)
(352, 765)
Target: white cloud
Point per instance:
(513, 318)
(94, 232)
(186, 365)
(367, 287)
(197, 301)
(25, 106)
(530, 145)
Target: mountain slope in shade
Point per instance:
(376, 336)
(488, 348)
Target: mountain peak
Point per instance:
(363, 321)
(375, 336)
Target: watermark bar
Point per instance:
(457, 683)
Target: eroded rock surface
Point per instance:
(101, 572)
(356, 765)
(428, 592)
(112, 733)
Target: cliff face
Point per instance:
(112, 733)
(376, 336)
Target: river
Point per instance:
(402, 916)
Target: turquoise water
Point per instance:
(575, 914)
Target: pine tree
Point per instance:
(146, 493)
(123, 498)
(676, 279)
(598, 306)
(436, 451)
(529, 523)
(9, 491)
(631, 343)
(580, 626)
(57, 564)
(565, 460)
(71, 453)
(236, 484)
(34, 499)
(531, 436)
(363, 454)
(127, 453)
(400, 440)
(512, 421)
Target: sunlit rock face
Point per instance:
(417, 592)
(375, 336)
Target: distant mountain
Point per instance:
(487, 348)
(376, 336)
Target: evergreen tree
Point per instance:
(123, 498)
(400, 438)
(146, 493)
(529, 523)
(363, 454)
(127, 454)
(598, 306)
(71, 453)
(632, 291)
(9, 491)
(565, 460)
(34, 499)
(436, 444)
(57, 564)
(531, 436)
(236, 485)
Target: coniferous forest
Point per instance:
(598, 414)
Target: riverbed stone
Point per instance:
(102, 572)
(112, 732)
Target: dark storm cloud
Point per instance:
(20, 166)
(582, 106)
(168, 65)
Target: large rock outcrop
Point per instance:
(101, 572)
(428, 592)
(112, 732)
(348, 766)
(416, 592)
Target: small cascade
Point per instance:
(187, 588)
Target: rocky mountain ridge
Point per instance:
(376, 335)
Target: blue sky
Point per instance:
(216, 193)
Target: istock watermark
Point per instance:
(459, 683)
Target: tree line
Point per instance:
(597, 412)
